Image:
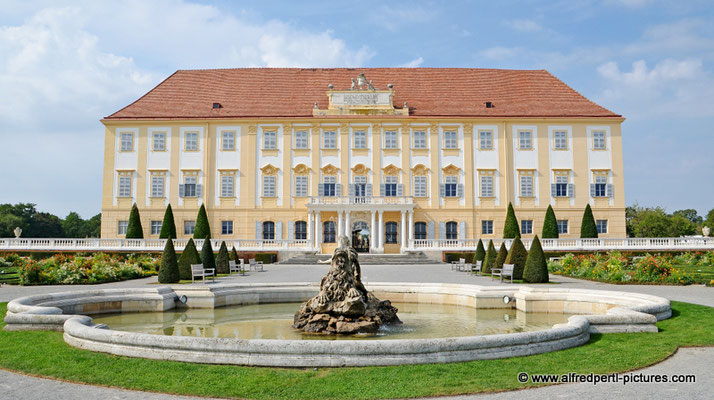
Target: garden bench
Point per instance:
(507, 270)
(255, 265)
(476, 267)
(237, 267)
(198, 270)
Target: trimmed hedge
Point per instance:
(480, 252)
(550, 225)
(202, 229)
(587, 227)
(168, 227)
(222, 266)
(207, 257)
(510, 229)
(536, 269)
(134, 229)
(169, 271)
(188, 257)
(517, 256)
(490, 259)
(501, 256)
(449, 257)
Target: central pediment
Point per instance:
(362, 98)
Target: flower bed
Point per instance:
(617, 267)
(62, 269)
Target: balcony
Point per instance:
(385, 203)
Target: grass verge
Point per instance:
(46, 354)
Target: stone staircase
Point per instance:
(367, 259)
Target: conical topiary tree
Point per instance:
(235, 255)
(222, 260)
(490, 259)
(168, 227)
(536, 269)
(134, 229)
(517, 256)
(169, 271)
(501, 256)
(188, 257)
(480, 252)
(587, 227)
(550, 225)
(207, 257)
(202, 229)
(510, 229)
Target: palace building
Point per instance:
(396, 158)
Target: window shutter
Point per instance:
(182, 190)
(571, 190)
(442, 190)
(321, 189)
(368, 189)
(610, 191)
(278, 230)
(553, 191)
(338, 189)
(462, 230)
(400, 190)
(430, 228)
(442, 230)
(460, 190)
(199, 190)
(592, 190)
(258, 230)
(351, 190)
(382, 189)
(291, 230)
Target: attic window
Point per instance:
(217, 106)
(489, 104)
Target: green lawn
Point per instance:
(10, 275)
(46, 354)
(702, 273)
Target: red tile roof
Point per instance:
(429, 92)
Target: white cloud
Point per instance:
(631, 3)
(393, 18)
(413, 63)
(524, 25)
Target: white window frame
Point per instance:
(158, 141)
(191, 141)
(525, 140)
(330, 180)
(124, 186)
(360, 139)
(270, 140)
(189, 183)
(126, 140)
(390, 185)
(360, 181)
(329, 140)
(601, 225)
(485, 140)
(487, 227)
(122, 227)
(600, 182)
(269, 186)
(563, 223)
(599, 140)
(419, 140)
(189, 227)
(301, 185)
(561, 186)
(228, 185)
(157, 186)
(451, 184)
(391, 140)
(527, 223)
(560, 140)
(420, 186)
(486, 186)
(226, 227)
(451, 139)
(526, 183)
(228, 140)
(301, 139)
(156, 227)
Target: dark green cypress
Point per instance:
(490, 259)
(550, 225)
(536, 269)
(510, 229)
(480, 252)
(168, 227)
(235, 255)
(222, 266)
(517, 256)
(169, 271)
(188, 257)
(134, 229)
(202, 229)
(587, 227)
(207, 257)
(501, 256)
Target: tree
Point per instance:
(588, 229)
(168, 227)
(202, 229)
(222, 266)
(490, 259)
(501, 256)
(45, 225)
(710, 220)
(207, 257)
(647, 222)
(188, 257)
(94, 226)
(536, 269)
(134, 229)
(480, 252)
(169, 270)
(8, 223)
(517, 256)
(510, 229)
(234, 253)
(690, 214)
(74, 226)
(550, 225)
(679, 225)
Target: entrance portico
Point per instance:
(346, 208)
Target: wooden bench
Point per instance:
(476, 267)
(198, 270)
(237, 267)
(507, 270)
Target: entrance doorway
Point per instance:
(360, 236)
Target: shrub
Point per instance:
(169, 272)
(168, 227)
(490, 259)
(267, 258)
(188, 257)
(134, 229)
(63, 269)
(517, 256)
(501, 256)
(449, 257)
(536, 269)
(510, 229)
(550, 225)
(234, 255)
(587, 227)
(222, 266)
(202, 229)
(207, 257)
(480, 252)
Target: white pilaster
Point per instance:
(340, 226)
(410, 239)
(318, 231)
(348, 227)
(310, 227)
(373, 243)
(403, 231)
(380, 234)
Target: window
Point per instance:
(189, 227)
(450, 141)
(229, 141)
(450, 184)
(600, 186)
(268, 230)
(226, 227)
(390, 140)
(157, 186)
(390, 233)
(560, 140)
(420, 139)
(124, 186)
(189, 185)
(561, 186)
(601, 225)
(227, 185)
(420, 186)
(328, 232)
(301, 186)
(525, 140)
(420, 230)
(121, 227)
(270, 140)
(599, 140)
(562, 226)
(390, 185)
(360, 138)
(158, 140)
(487, 186)
(155, 227)
(329, 186)
(487, 227)
(191, 141)
(485, 140)
(301, 140)
(268, 186)
(526, 186)
(527, 226)
(300, 230)
(127, 141)
(452, 230)
(329, 140)
(360, 186)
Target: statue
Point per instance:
(343, 305)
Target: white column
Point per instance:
(340, 230)
(380, 234)
(411, 229)
(310, 227)
(318, 230)
(373, 232)
(348, 228)
(403, 231)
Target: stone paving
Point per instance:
(695, 361)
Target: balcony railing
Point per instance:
(683, 243)
(361, 200)
(146, 244)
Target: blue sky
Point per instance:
(66, 64)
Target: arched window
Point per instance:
(420, 230)
(390, 232)
(268, 230)
(328, 232)
(452, 230)
(300, 230)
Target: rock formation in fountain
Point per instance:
(343, 305)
